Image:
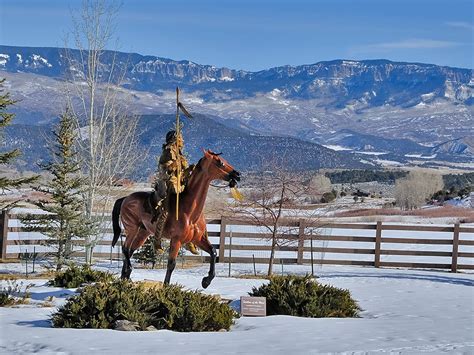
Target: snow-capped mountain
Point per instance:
(340, 83)
(401, 108)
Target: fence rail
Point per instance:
(242, 241)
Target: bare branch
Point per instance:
(107, 132)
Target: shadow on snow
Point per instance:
(406, 276)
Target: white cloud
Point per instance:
(460, 24)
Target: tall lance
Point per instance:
(179, 106)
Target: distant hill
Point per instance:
(245, 151)
(370, 143)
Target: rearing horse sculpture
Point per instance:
(190, 226)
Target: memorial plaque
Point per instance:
(253, 306)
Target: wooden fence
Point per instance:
(302, 242)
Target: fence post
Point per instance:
(301, 224)
(454, 262)
(254, 268)
(3, 234)
(230, 252)
(378, 240)
(222, 239)
(312, 260)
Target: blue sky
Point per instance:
(254, 35)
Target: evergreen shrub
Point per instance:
(5, 299)
(74, 276)
(63, 203)
(302, 296)
(328, 197)
(168, 307)
(12, 293)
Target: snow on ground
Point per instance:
(404, 311)
(385, 162)
(371, 153)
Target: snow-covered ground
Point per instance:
(404, 311)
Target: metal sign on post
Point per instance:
(253, 306)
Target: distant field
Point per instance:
(466, 214)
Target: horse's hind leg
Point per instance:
(127, 265)
(173, 254)
(205, 245)
(132, 243)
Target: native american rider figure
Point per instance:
(166, 183)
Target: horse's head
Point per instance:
(218, 168)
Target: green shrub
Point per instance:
(74, 276)
(12, 293)
(328, 197)
(5, 299)
(302, 296)
(170, 307)
(459, 181)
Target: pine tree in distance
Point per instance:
(9, 156)
(64, 221)
(147, 253)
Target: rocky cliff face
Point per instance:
(338, 84)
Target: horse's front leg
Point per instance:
(205, 245)
(173, 254)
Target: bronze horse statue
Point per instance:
(190, 226)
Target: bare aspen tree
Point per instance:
(318, 185)
(107, 139)
(415, 189)
(275, 191)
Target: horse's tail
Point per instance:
(115, 220)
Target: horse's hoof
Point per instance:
(206, 281)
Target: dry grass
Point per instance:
(180, 263)
(47, 304)
(252, 276)
(17, 276)
(4, 277)
(15, 302)
(9, 261)
(152, 284)
(466, 215)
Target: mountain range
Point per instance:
(339, 83)
(405, 110)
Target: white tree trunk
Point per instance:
(107, 132)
